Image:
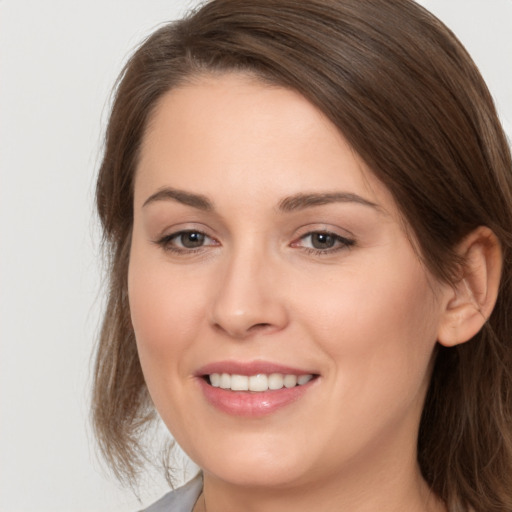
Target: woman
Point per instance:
(308, 210)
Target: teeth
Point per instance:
(215, 380)
(290, 381)
(256, 382)
(304, 379)
(239, 383)
(275, 381)
(225, 381)
(259, 382)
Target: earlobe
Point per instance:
(470, 301)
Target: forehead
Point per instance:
(251, 137)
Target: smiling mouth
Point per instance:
(257, 383)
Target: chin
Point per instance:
(257, 462)
(269, 474)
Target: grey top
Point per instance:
(182, 499)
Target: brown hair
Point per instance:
(409, 99)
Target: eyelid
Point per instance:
(166, 241)
(341, 242)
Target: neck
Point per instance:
(325, 499)
(392, 486)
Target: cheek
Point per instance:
(379, 329)
(164, 312)
(383, 298)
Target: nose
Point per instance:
(248, 297)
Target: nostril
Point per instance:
(260, 327)
(244, 332)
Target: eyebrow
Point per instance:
(187, 198)
(292, 203)
(303, 201)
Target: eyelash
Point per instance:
(341, 242)
(166, 242)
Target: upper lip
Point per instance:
(250, 368)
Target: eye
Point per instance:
(321, 242)
(189, 239)
(185, 241)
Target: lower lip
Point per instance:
(252, 404)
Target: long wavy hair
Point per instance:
(406, 95)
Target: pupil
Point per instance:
(322, 241)
(191, 240)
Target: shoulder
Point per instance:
(182, 499)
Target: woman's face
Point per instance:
(265, 252)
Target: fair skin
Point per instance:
(263, 244)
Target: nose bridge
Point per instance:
(246, 299)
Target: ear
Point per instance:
(470, 301)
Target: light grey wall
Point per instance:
(58, 60)
(485, 28)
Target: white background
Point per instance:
(58, 61)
